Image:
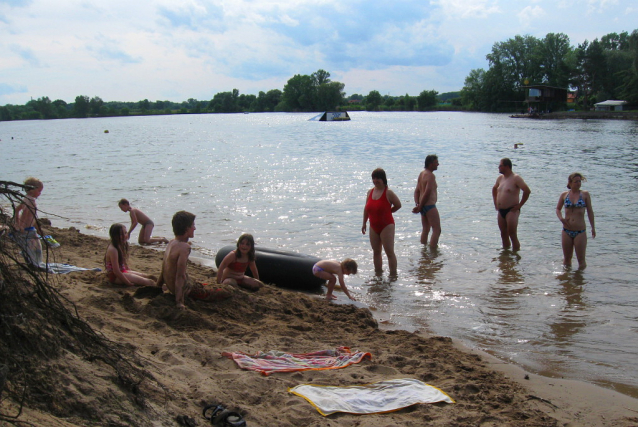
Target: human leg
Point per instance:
(387, 241)
(251, 283)
(568, 248)
(580, 245)
(426, 229)
(512, 229)
(435, 222)
(331, 286)
(138, 279)
(502, 225)
(375, 242)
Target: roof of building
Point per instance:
(611, 102)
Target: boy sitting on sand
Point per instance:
(137, 216)
(330, 269)
(174, 265)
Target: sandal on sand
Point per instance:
(222, 417)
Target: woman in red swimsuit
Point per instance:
(232, 270)
(381, 202)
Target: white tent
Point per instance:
(610, 105)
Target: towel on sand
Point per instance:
(375, 398)
(279, 361)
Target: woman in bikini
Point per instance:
(232, 270)
(116, 258)
(574, 236)
(381, 203)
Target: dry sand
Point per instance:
(181, 350)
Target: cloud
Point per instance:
(109, 49)
(6, 89)
(468, 8)
(530, 14)
(26, 54)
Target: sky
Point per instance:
(123, 50)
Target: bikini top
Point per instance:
(579, 204)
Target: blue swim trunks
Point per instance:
(426, 208)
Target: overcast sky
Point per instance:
(129, 50)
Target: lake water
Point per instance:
(300, 185)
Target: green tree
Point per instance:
(95, 106)
(629, 78)
(299, 93)
(329, 96)
(81, 106)
(427, 99)
(555, 52)
(373, 100)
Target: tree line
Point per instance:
(595, 71)
(302, 93)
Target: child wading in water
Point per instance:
(232, 270)
(139, 217)
(330, 269)
(116, 259)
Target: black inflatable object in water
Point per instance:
(282, 268)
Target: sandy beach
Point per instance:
(181, 352)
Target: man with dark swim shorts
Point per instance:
(507, 201)
(425, 197)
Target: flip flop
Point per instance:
(222, 417)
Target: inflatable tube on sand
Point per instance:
(282, 268)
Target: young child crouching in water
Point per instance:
(330, 270)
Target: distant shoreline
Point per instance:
(585, 115)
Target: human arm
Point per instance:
(253, 268)
(424, 189)
(342, 283)
(222, 267)
(160, 280)
(559, 208)
(526, 192)
(590, 214)
(133, 222)
(394, 200)
(113, 258)
(495, 192)
(180, 275)
(365, 215)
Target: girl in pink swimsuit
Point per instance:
(233, 267)
(116, 257)
(381, 202)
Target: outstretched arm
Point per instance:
(133, 222)
(342, 283)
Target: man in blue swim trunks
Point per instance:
(425, 197)
(506, 192)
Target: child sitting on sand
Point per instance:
(174, 265)
(137, 216)
(232, 270)
(26, 235)
(330, 269)
(116, 259)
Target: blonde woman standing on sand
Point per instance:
(574, 236)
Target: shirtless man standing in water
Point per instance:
(506, 193)
(425, 199)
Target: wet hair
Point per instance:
(574, 175)
(507, 162)
(123, 202)
(380, 173)
(115, 233)
(182, 220)
(32, 183)
(349, 265)
(251, 240)
(430, 159)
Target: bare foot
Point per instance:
(330, 297)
